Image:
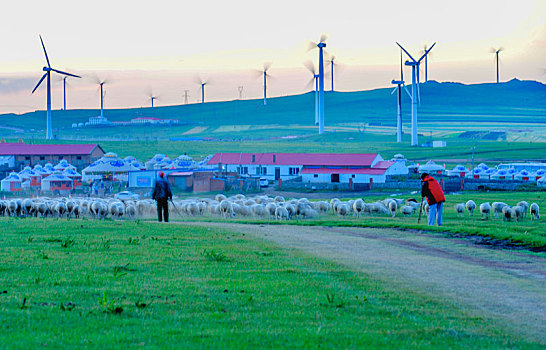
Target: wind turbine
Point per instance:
(321, 45)
(331, 60)
(101, 87)
(152, 98)
(426, 61)
(496, 52)
(47, 74)
(263, 72)
(399, 84)
(415, 94)
(64, 93)
(311, 67)
(202, 83)
(186, 96)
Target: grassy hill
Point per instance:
(511, 103)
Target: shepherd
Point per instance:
(162, 194)
(431, 189)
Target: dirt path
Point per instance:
(504, 284)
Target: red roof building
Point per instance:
(302, 159)
(79, 155)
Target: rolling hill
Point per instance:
(512, 102)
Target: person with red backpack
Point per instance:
(431, 189)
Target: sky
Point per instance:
(163, 47)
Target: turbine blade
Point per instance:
(407, 91)
(267, 65)
(45, 52)
(42, 79)
(310, 66)
(501, 49)
(401, 67)
(65, 73)
(311, 45)
(418, 83)
(310, 84)
(394, 90)
(323, 38)
(426, 52)
(407, 53)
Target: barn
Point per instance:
(310, 167)
(79, 155)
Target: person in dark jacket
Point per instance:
(162, 194)
(432, 190)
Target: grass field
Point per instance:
(80, 284)
(526, 233)
(458, 150)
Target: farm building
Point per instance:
(30, 178)
(110, 167)
(311, 167)
(80, 155)
(57, 182)
(12, 183)
(432, 168)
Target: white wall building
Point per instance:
(312, 167)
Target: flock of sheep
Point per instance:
(517, 212)
(242, 206)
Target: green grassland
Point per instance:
(526, 233)
(458, 150)
(114, 284)
(515, 106)
(362, 121)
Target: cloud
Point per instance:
(9, 85)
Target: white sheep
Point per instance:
(518, 212)
(470, 206)
(534, 211)
(485, 209)
(226, 208)
(343, 209)
(525, 206)
(459, 208)
(507, 213)
(497, 208)
(358, 206)
(271, 207)
(393, 207)
(407, 210)
(281, 213)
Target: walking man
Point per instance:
(435, 198)
(162, 193)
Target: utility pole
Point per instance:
(473, 161)
(240, 88)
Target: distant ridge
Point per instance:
(515, 101)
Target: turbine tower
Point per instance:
(415, 94)
(496, 52)
(64, 93)
(202, 83)
(321, 45)
(332, 59)
(186, 96)
(426, 61)
(311, 67)
(152, 98)
(399, 84)
(47, 74)
(267, 65)
(101, 88)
